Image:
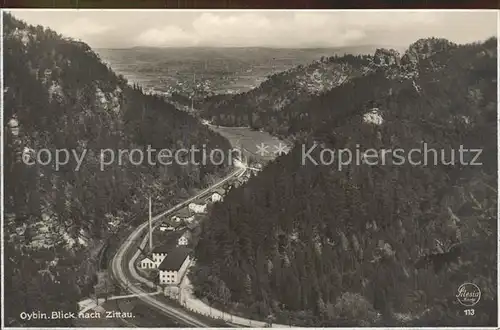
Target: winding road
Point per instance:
(124, 272)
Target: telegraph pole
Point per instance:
(150, 229)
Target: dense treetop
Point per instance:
(59, 95)
(367, 245)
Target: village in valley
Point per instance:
(164, 259)
(173, 240)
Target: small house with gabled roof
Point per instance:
(147, 263)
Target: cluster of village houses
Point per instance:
(172, 258)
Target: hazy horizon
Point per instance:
(244, 47)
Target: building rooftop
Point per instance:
(178, 225)
(187, 234)
(196, 222)
(199, 201)
(146, 259)
(198, 208)
(199, 217)
(174, 224)
(184, 213)
(220, 191)
(164, 248)
(174, 260)
(169, 244)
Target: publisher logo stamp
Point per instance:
(468, 294)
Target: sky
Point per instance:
(279, 29)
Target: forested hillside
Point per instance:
(257, 107)
(289, 98)
(59, 95)
(365, 245)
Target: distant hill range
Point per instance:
(273, 104)
(228, 70)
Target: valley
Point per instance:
(248, 141)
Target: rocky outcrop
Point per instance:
(386, 57)
(425, 48)
(282, 91)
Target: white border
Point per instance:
(498, 164)
(250, 10)
(237, 10)
(2, 195)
